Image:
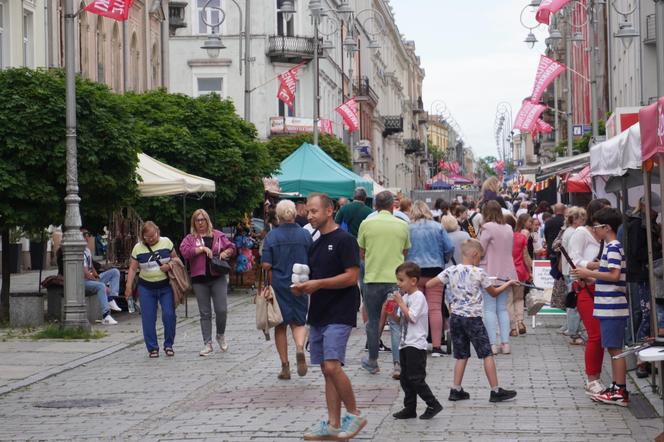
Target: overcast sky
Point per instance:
(474, 57)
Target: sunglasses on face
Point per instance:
(201, 220)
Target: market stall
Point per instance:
(309, 169)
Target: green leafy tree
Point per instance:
(486, 166)
(282, 146)
(581, 144)
(32, 154)
(205, 137)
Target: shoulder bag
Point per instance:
(268, 313)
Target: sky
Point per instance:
(474, 58)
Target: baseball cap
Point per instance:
(655, 201)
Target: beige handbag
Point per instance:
(268, 313)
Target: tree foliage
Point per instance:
(32, 150)
(486, 166)
(281, 147)
(205, 137)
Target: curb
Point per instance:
(114, 348)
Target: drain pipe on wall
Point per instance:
(165, 29)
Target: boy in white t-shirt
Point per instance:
(414, 318)
(464, 297)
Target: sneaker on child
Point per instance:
(437, 352)
(613, 395)
(458, 395)
(431, 411)
(502, 395)
(351, 424)
(405, 413)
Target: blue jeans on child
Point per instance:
(496, 316)
(110, 277)
(149, 297)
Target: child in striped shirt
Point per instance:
(610, 301)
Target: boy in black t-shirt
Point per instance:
(334, 296)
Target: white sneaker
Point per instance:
(495, 350)
(505, 349)
(108, 320)
(114, 306)
(221, 340)
(594, 388)
(206, 350)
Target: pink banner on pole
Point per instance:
(651, 119)
(325, 126)
(287, 85)
(528, 115)
(114, 9)
(548, 7)
(547, 71)
(348, 112)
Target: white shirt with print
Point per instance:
(414, 332)
(464, 289)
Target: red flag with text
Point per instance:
(325, 126)
(548, 7)
(528, 115)
(287, 84)
(547, 71)
(348, 112)
(114, 9)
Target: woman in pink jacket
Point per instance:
(198, 248)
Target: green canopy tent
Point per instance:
(309, 169)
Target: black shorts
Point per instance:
(465, 331)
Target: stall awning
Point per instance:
(617, 155)
(564, 165)
(160, 179)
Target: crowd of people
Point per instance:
(455, 274)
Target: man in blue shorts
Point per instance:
(334, 300)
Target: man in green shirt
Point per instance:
(354, 213)
(384, 241)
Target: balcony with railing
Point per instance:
(290, 49)
(176, 16)
(650, 36)
(413, 146)
(364, 92)
(392, 125)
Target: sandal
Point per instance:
(153, 354)
(513, 332)
(169, 351)
(576, 341)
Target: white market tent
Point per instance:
(615, 156)
(377, 188)
(160, 179)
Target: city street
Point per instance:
(236, 396)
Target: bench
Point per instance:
(547, 310)
(55, 295)
(26, 309)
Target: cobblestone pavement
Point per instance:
(236, 396)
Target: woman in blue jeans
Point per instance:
(151, 258)
(497, 240)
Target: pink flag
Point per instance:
(326, 126)
(115, 9)
(651, 119)
(528, 115)
(543, 126)
(287, 84)
(500, 167)
(548, 7)
(547, 71)
(348, 112)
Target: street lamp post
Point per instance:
(213, 45)
(659, 37)
(73, 244)
(316, 9)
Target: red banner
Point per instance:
(527, 117)
(348, 112)
(114, 9)
(651, 119)
(548, 7)
(547, 71)
(325, 126)
(287, 85)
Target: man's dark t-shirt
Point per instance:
(301, 220)
(330, 256)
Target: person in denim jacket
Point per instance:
(431, 248)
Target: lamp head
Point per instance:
(577, 38)
(213, 45)
(555, 36)
(346, 11)
(626, 33)
(531, 40)
(373, 44)
(315, 8)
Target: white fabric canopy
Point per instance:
(377, 188)
(159, 179)
(615, 156)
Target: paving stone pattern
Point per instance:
(236, 396)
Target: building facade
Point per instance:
(127, 56)
(384, 75)
(23, 33)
